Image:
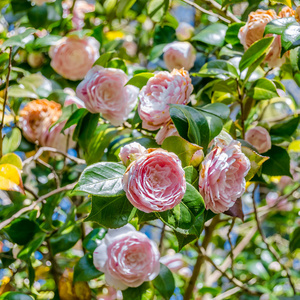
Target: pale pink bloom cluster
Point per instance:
(80, 9)
(103, 91)
(222, 175)
(127, 258)
(161, 90)
(155, 181)
(72, 57)
(36, 119)
(254, 31)
(131, 152)
(260, 138)
(179, 55)
(184, 31)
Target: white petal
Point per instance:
(114, 282)
(100, 257)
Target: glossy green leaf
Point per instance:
(104, 59)
(18, 40)
(46, 41)
(191, 124)
(141, 292)
(90, 241)
(74, 117)
(164, 283)
(12, 141)
(111, 212)
(102, 179)
(263, 89)
(286, 127)
(181, 147)
(255, 51)
(12, 159)
(20, 91)
(15, 296)
(256, 161)
(21, 230)
(32, 246)
(123, 7)
(278, 26)
(117, 63)
(192, 176)
(278, 163)
(187, 217)
(66, 239)
(85, 270)
(295, 240)
(37, 15)
(140, 79)
(157, 9)
(213, 34)
(218, 68)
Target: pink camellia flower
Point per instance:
(161, 90)
(72, 57)
(167, 130)
(131, 152)
(184, 31)
(179, 55)
(155, 181)
(254, 31)
(127, 258)
(260, 138)
(222, 176)
(103, 91)
(36, 119)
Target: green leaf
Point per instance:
(66, 239)
(74, 117)
(295, 240)
(218, 109)
(12, 141)
(286, 127)
(187, 217)
(85, 270)
(184, 239)
(164, 282)
(278, 163)
(257, 268)
(263, 89)
(144, 217)
(213, 34)
(18, 40)
(102, 179)
(21, 91)
(254, 66)
(32, 246)
(256, 161)
(15, 296)
(192, 176)
(104, 59)
(138, 293)
(90, 241)
(181, 147)
(99, 142)
(140, 79)
(13, 159)
(218, 68)
(255, 51)
(190, 124)
(157, 9)
(117, 63)
(21, 230)
(278, 26)
(111, 212)
(67, 111)
(37, 15)
(46, 41)
(123, 7)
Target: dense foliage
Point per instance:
(149, 149)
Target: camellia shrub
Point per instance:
(149, 149)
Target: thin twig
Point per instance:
(269, 247)
(231, 246)
(5, 99)
(33, 204)
(56, 273)
(52, 170)
(49, 149)
(232, 279)
(161, 241)
(206, 11)
(29, 190)
(72, 7)
(200, 259)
